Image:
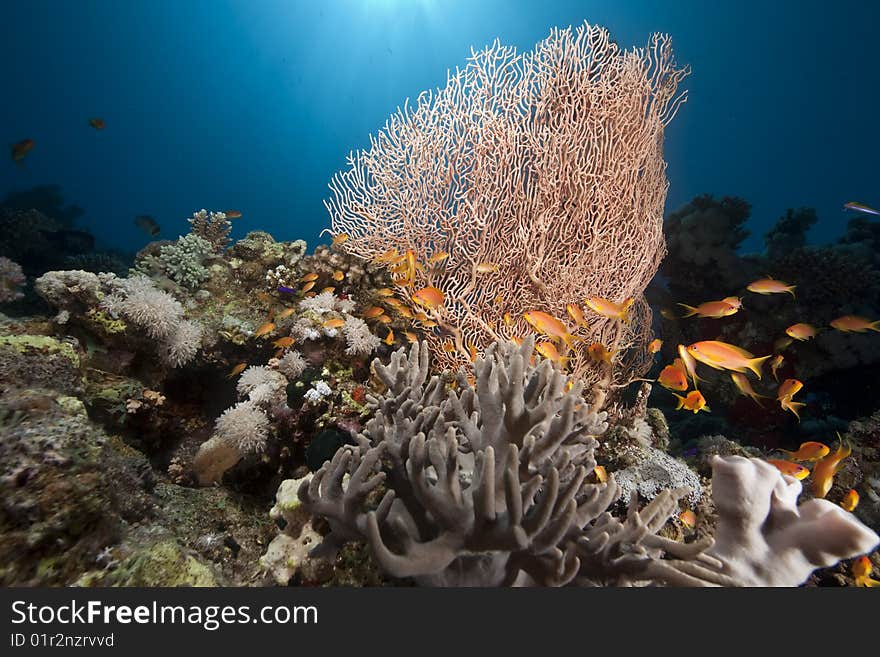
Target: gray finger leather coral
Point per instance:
(487, 485)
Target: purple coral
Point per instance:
(11, 278)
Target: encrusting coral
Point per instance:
(488, 486)
(521, 171)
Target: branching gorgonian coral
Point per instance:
(487, 485)
(541, 174)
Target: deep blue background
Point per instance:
(253, 104)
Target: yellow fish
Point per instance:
(694, 401)
(338, 275)
(655, 345)
(265, 329)
(688, 518)
(283, 343)
(861, 570)
(549, 326)
(823, 473)
(284, 314)
(385, 292)
(412, 337)
(770, 286)
(809, 451)
(308, 286)
(548, 351)
(610, 309)
(711, 309)
(238, 369)
(334, 323)
(372, 311)
(775, 364)
(389, 339)
(854, 323)
(689, 364)
(745, 388)
(801, 331)
(724, 356)
(601, 474)
(429, 297)
(576, 314)
(440, 256)
(341, 238)
(791, 469)
(673, 377)
(850, 500)
(487, 268)
(311, 276)
(599, 353)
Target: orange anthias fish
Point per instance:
(710, 309)
(770, 286)
(854, 323)
(548, 351)
(334, 323)
(688, 363)
(21, 149)
(283, 343)
(372, 311)
(284, 314)
(610, 309)
(823, 473)
(308, 286)
(265, 329)
(438, 257)
(742, 384)
(736, 302)
(861, 570)
(601, 474)
(655, 345)
(549, 326)
(341, 238)
(801, 331)
(389, 339)
(599, 353)
(775, 364)
(674, 377)
(688, 518)
(788, 388)
(809, 451)
(724, 356)
(97, 124)
(791, 469)
(232, 214)
(694, 401)
(238, 369)
(850, 500)
(429, 297)
(576, 314)
(385, 292)
(410, 336)
(487, 268)
(338, 275)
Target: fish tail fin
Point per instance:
(691, 311)
(874, 326)
(680, 401)
(754, 364)
(707, 409)
(790, 290)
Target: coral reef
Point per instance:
(212, 227)
(11, 279)
(488, 486)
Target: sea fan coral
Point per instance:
(546, 168)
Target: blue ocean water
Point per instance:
(253, 104)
